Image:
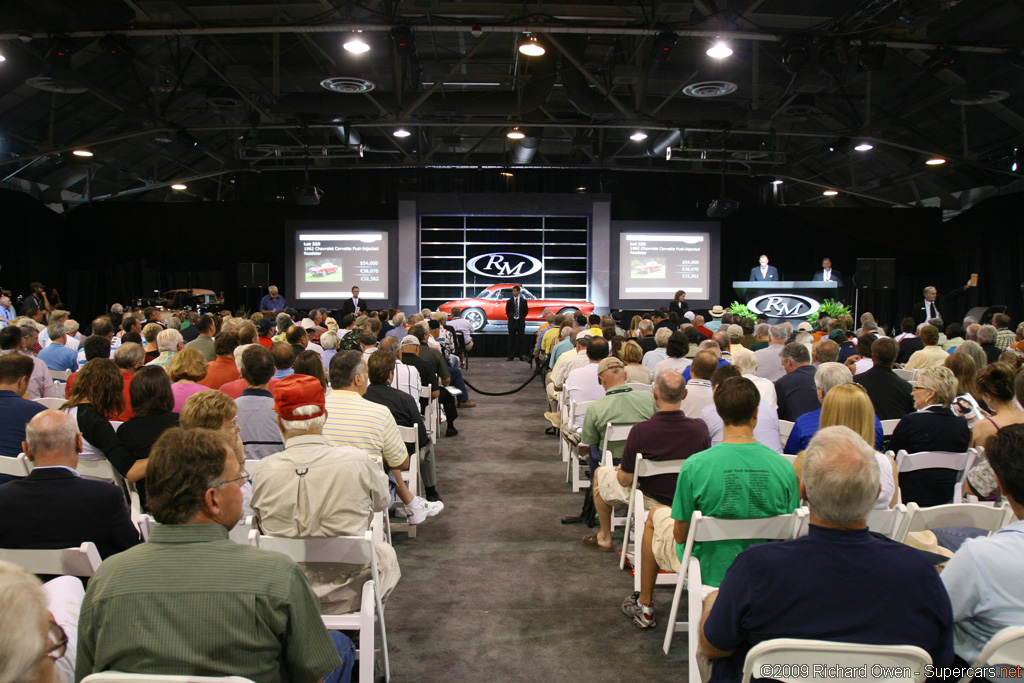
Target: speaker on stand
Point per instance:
(253, 276)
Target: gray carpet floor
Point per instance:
(495, 588)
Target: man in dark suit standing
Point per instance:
(764, 272)
(935, 305)
(827, 273)
(353, 305)
(54, 507)
(515, 313)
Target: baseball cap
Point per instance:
(584, 335)
(298, 390)
(409, 340)
(608, 364)
(735, 331)
(34, 285)
(264, 326)
(837, 334)
(804, 327)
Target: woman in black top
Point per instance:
(96, 398)
(679, 305)
(151, 396)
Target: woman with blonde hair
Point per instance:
(967, 392)
(634, 327)
(849, 405)
(632, 355)
(187, 368)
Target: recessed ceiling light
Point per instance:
(507, 174)
(638, 136)
(531, 47)
(82, 153)
(179, 186)
(401, 133)
(830, 193)
(356, 44)
(720, 50)
(935, 161)
(777, 181)
(864, 146)
(515, 134)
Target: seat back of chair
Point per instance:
(973, 515)
(1005, 648)
(888, 522)
(910, 462)
(356, 550)
(13, 467)
(641, 386)
(615, 434)
(118, 677)
(785, 428)
(889, 426)
(81, 561)
(577, 411)
(652, 468)
(793, 659)
(776, 528)
(61, 375)
(54, 403)
(99, 469)
(410, 435)
(909, 375)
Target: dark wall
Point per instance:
(116, 251)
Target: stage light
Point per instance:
(830, 193)
(720, 50)
(777, 181)
(401, 133)
(531, 47)
(82, 153)
(515, 134)
(356, 44)
(935, 161)
(506, 174)
(864, 147)
(638, 136)
(179, 186)
(3, 59)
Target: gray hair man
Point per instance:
(827, 376)
(796, 391)
(168, 343)
(652, 358)
(769, 359)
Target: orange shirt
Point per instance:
(265, 342)
(128, 412)
(221, 371)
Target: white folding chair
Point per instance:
(349, 550)
(889, 522)
(976, 516)
(118, 677)
(706, 530)
(81, 561)
(961, 462)
(790, 458)
(613, 434)
(431, 416)
(60, 375)
(13, 467)
(54, 403)
(640, 386)
(240, 534)
(574, 470)
(1005, 649)
(411, 476)
(145, 524)
(642, 468)
(785, 427)
(909, 375)
(793, 659)
(889, 426)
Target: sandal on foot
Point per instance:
(591, 541)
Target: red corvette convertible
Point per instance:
(489, 306)
(324, 269)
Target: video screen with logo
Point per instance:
(655, 265)
(328, 263)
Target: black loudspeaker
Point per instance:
(260, 274)
(885, 273)
(866, 273)
(253, 274)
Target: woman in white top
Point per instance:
(631, 354)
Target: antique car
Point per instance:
(324, 269)
(488, 306)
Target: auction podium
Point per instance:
(788, 295)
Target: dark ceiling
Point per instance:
(198, 92)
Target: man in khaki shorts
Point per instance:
(737, 479)
(668, 435)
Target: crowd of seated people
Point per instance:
(830, 386)
(208, 420)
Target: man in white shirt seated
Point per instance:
(582, 384)
(652, 358)
(463, 326)
(313, 488)
(698, 388)
(746, 361)
(983, 578)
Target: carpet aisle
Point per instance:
(496, 588)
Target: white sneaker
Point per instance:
(420, 508)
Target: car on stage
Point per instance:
(324, 269)
(489, 306)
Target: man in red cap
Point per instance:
(313, 488)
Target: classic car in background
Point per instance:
(489, 306)
(324, 269)
(201, 300)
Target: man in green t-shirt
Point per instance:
(737, 479)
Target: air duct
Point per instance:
(526, 149)
(665, 140)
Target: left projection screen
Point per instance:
(329, 263)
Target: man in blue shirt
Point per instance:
(56, 355)
(7, 313)
(15, 370)
(838, 583)
(272, 303)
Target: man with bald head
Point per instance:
(54, 507)
(667, 435)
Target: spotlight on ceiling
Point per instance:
(720, 50)
(531, 47)
(864, 147)
(401, 133)
(796, 55)
(777, 181)
(935, 161)
(507, 174)
(515, 134)
(82, 153)
(830, 193)
(871, 57)
(638, 136)
(3, 59)
(179, 186)
(356, 44)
